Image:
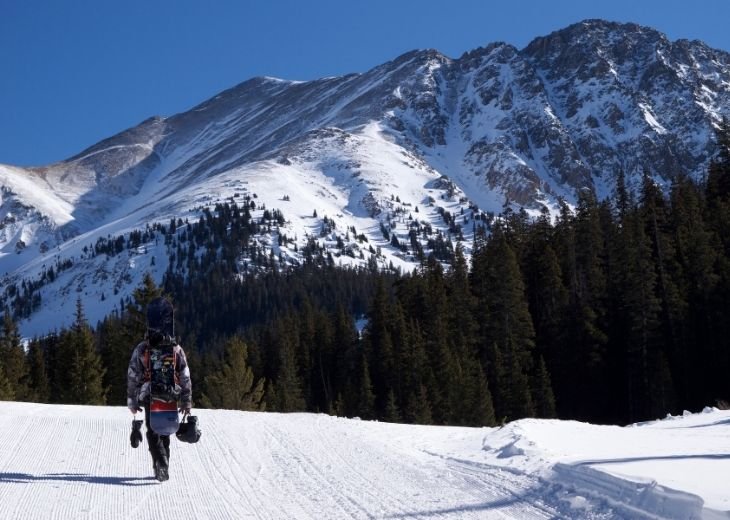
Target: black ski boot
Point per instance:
(160, 467)
(135, 438)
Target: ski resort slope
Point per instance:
(72, 462)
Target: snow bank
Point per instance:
(672, 468)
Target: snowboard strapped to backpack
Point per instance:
(160, 362)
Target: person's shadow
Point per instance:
(24, 478)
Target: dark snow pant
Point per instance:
(159, 444)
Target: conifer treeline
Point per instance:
(614, 312)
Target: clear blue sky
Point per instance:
(74, 72)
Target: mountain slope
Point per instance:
(423, 142)
(263, 465)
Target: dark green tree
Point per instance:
(392, 413)
(508, 336)
(366, 397)
(115, 349)
(697, 251)
(584, 336)
(639, 315)
(548, 302)
(542, 392)
(37, 374)
(82, 376)
(290, 397)
(136, 312)
(378, 348)
(233, 386)
(13, 358)
(6, 390)
(421, 408)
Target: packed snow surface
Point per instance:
(76, 462)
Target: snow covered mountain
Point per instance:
(76, 462)
(424, 142)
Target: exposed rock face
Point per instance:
(630, 99)
(572, 109)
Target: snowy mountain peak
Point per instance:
(595, 34)
(419, 58)
(464, 136)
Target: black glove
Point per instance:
(136, 436)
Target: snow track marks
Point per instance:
(62, 462)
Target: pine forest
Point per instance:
(615, 311)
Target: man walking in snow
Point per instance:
(160, 333)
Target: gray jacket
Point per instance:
(138, 390)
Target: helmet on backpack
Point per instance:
(188, 430)
(160, 320)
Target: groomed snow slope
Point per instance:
(75, 462)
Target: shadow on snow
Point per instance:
(708, 456)
(472, 508)
(24, 478)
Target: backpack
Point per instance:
(160, 370)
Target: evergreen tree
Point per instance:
(470, 397)
(413, 366)
(6, 390)
(543, 393)
(38, 380)
(517, 395)
(57, 369)
(324, 362)
(233, 386)
(345, 342)
(378, 348)
(638, 315)
(411, 362)
(136, 323)
(476, 407)
(507, 331)
(115, 349)
(584, 330)
(271, 399)
(697, 253)
(82, 368)
(289, 393)
(366, 397)
(622, 196)
(715, 351)
(421, 408)
(306, 347)
(548, 302)
(392, 413)
(441, 347)
(657, 221)
(13, 358)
